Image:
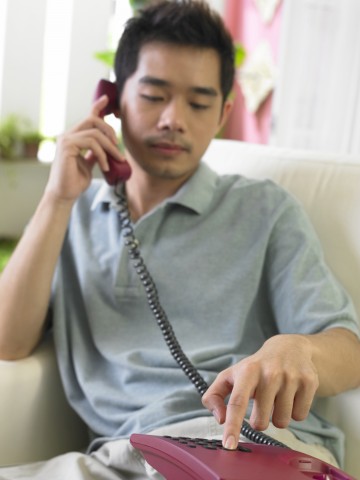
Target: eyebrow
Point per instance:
(159, 82)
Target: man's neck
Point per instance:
(144, 193)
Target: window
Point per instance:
(48, 71)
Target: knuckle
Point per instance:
(62, 140)
(66, 143)
(292, 380)
(301, 409)
(249, 365)
(261, 425)
(299, 416)
(247, 370)
(310, 380)
(95, 133)
(271, 377)
(237, 399)
(300, 412)
(206, 399)
(281, 422)
(92, 143)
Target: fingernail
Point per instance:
(216, 415)
(230, 443)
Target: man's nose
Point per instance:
(173, 117)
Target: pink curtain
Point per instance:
(246, 26)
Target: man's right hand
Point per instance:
(78, 151)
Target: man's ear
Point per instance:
(227, 107)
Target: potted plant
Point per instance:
(18, 138)
(10, 137)
(31, 140)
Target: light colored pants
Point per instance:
(118, 460)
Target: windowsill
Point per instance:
(22, 182)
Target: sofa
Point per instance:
(36, 421)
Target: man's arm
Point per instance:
(26, 281)
(283, 377)
(25, 284)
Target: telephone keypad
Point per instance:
(205, 443)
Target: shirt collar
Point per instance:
(195, 194)
(105, 195)
(198, 191)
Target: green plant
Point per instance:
(32, 136)
(107, 57)
(6, 248)
(18, 137)
(31, 140)
(240, 54)
(136, 4)
(10, 136)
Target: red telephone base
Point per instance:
(182, 458)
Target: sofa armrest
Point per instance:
(343, 411)
(36, 421)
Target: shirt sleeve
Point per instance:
(305, 295)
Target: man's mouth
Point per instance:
(168, 146)
(171, 147)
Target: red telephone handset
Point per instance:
(119, 171)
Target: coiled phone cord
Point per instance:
(163, 322)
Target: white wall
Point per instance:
(21, 186)
(22, 35)
(317, 98)
(218, 5)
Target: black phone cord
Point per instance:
(162, 320)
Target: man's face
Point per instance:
(171, 108)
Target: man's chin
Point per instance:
(167, 172)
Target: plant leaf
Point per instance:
(107, 57)
(240, 54)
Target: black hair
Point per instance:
(179, 22)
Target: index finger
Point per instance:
(235, 414)
(232, 414)
(99, 105)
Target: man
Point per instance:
(237, 268)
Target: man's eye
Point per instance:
(151, 98)
(198, 106)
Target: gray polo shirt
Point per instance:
(235, 261)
